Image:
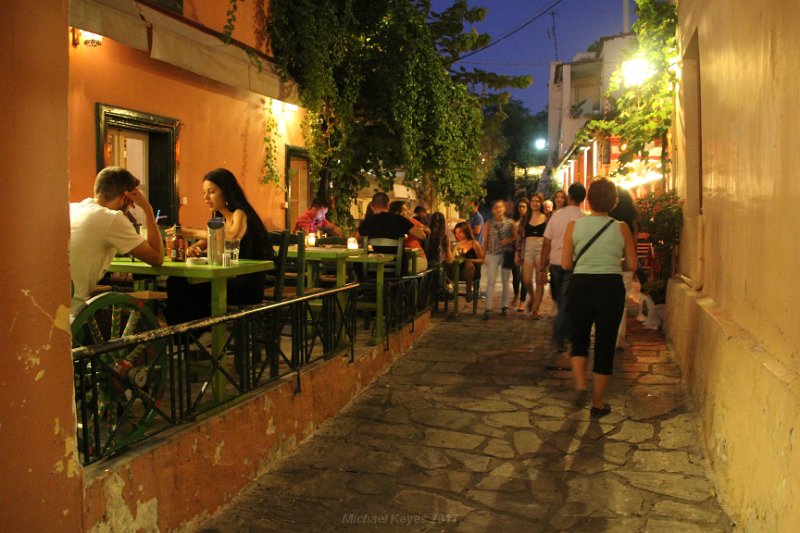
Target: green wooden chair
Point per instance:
(395, 268)
(276, 279)
(289, 278)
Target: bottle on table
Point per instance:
(178, 246)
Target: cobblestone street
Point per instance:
(474, 430)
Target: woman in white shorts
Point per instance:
(531, 235)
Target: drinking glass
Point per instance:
(232, 248)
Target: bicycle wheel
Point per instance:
(116, 393)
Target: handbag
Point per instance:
(591, 241)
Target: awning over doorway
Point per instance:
(179, 44)
(117, 19)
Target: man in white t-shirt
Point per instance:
(100, 228)
(551, 256)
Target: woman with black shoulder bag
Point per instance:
(596, 293)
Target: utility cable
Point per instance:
(539, 15)
(553, 30)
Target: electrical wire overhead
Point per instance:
(525, 24)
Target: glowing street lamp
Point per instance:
(540, 144)
(636, 71)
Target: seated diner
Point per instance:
(225, 198)
(100, 228)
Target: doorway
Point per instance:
(298, 191)
(129, 149)
(147, 145)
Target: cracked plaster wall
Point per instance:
(42, 482)
(181, 480)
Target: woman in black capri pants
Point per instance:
(596, 292)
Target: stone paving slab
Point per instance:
(474, 430)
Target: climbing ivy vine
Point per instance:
(271, 173)
(378, 95)
(642, 114)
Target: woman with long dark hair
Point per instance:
(559, 200)
(531, 239)
(438, 247)
(473, 254)
(521, 209)
(225, 198)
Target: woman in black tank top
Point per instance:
(472, 252)
(530, 251)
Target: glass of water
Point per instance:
(232, 249)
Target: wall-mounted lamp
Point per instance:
(85, 37)
(289, 108)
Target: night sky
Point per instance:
(578, 23)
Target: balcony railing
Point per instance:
(133, 387)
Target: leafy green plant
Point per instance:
(378, 96)
(642, 114)
(271, 173)
(227, 34)
(661, 216)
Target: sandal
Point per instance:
(535, 315)
(597, 412)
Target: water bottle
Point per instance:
(216, 240)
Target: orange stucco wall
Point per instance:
(41, 486)
(250, 27)
(221, 126)
(181, 481)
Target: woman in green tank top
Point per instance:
(596, 293)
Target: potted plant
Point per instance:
(660, 216)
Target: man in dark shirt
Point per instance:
(384, 224)
(421, 215)
(476, 222)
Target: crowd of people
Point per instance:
(588, 259)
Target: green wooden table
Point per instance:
(378, 261)
(217, 275)
(329, 253)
